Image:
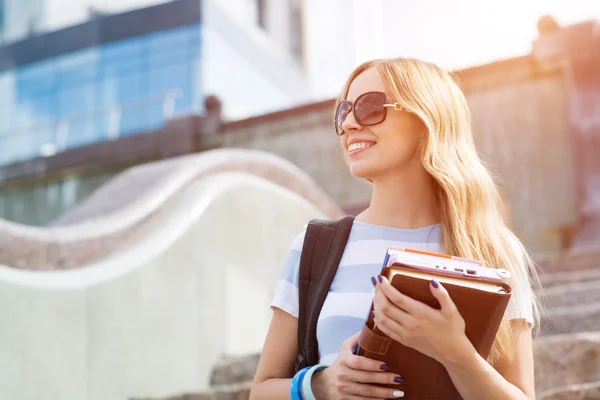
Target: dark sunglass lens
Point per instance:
(340, 116)
(369, 109)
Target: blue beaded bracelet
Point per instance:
(296, 387)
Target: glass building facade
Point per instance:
(82, 97)
(116, 74)
(110, 75)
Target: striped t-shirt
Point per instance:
(349, 299)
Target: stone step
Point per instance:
(564, 366)
(576, 259)
(572, 294)
(570, 319)
(565, 360)
(190, 396)
(228, 392)
(233, 370)
(586, 391)
(559, 278)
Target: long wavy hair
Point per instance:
(472, 218)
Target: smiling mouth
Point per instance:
(358, 147)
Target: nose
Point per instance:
(350, 124)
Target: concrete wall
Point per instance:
(522, 132)
(153, 318)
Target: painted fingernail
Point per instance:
(374, 281)
(380, 278)
(384, 367)
(372, 314)
(399, 379)
(435, 283)
(398, 393)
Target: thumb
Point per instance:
(351, 343)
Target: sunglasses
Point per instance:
(369, 109)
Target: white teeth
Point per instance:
(359, 145)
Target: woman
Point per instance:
(404, 126)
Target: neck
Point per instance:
(405, 202)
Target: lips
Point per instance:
(357, 147)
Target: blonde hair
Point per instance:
(471, 207)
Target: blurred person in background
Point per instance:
(405, 127)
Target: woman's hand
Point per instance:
(439, 334)
(352, 377)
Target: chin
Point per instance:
(363, 170)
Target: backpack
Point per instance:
(322, 250)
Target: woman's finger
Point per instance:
(349, 345)
(410, 305)
(363, 363)
(391, 328)
(383, 305)
(390, 378)
(372, 391)
(443, 297)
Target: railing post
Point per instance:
(62, 134)
(114, 123)
(168, 106)
(169, 103)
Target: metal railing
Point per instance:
(59, 131)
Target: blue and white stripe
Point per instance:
(351, 293)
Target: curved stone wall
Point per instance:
(127, 207)
(152, 318)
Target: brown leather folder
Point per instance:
(482, 304)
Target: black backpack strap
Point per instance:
(323, 247)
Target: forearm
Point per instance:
(271, 389)
(476, 379)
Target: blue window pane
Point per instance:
(45, 107)
(119, 93)
(194, 34)
(120, 89)
(77, 67)
(170, 47)
(27, 143)
(164, 80)
(121, 57)
(7, 100)
(116, 67)
(77, 104)
(36, 78)
(134, 119)
(173, 55)
(2, 15)
(44, 133)
(163, 40)
(38, 109)
(76, 99)
(22, 116)
(15, 148)
(169, 77)
(123, 49)
(81, 132)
